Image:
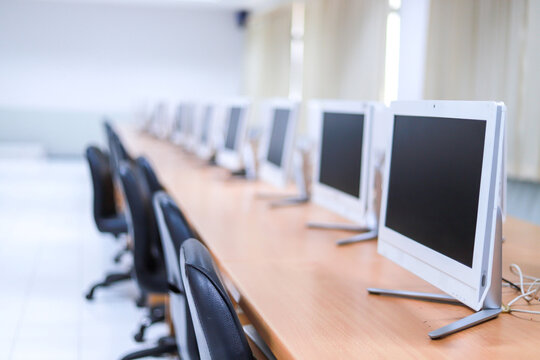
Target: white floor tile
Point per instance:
(50, 253)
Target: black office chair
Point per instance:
(156, 313)
(115, 143)
(149, 264)
(217, 327)
(106, 216)
(174, 230)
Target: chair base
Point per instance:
(156, 314)
(109, 280)
(165, 346)
(121, 254)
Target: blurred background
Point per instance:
(65, 65)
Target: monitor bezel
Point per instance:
(178, 120)
(232, 159)
(269, 172)
(449, 275)
(204, 151)
(188, 119)
(346, 205)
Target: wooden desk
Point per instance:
(306, 296)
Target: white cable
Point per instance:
(529, 295)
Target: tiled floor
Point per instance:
(50, 252)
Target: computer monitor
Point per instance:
(182, 132)
(341, 176)
(277, 143)
(205, 131)
(160, 125)
(440, 194)
(176, 133)
(229, 155)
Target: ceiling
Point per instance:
(218, 4)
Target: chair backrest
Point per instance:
(102, 183)
(148, 261)
(217, 327)
(174, 230)
(117, 151)
(150, 174)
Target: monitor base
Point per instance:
(337, 226)
(279, 200)
(242, 174)
(288, 201)
(492, 302)
(367, 233)
(462, 324)
(212, 160)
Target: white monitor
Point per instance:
(341, 176)
(160, 125)
(440, 194)
(277, 142)
(230, 155)
(182, 133)
(205, 130)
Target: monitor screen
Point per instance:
(232, 131)
(207, 119)
(178, 119)
(188, 118)
(277, 136)
(434, 183)
(341, 151)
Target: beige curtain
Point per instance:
(488, 50)
(268, 44)
(344, 47)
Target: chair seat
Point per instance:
(115, 225)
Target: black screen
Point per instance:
(434, 183)
(234, 122)
(277, 137)
(206, 124)
(341, 151)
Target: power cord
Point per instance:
(529, 295)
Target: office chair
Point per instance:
(174, 230)
(106, 216)
(149, 264)
(217, 327)
(115, 143)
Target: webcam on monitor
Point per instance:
(440, 214)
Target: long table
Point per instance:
(306, 296)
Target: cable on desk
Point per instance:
(512, 285)
(529, 295)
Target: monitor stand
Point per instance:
(212, 160)
(367, 233)
(280, 200)
(302, 171)
(492, 303)
(370, 231)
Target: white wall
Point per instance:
(412, 51)
(95, 59)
